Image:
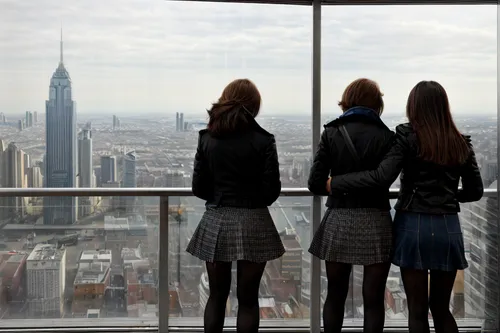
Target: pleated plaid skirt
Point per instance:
(231, 234)
(360, 236)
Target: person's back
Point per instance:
(371, 139)
(243, 173)
(357, 227)
(431, 187)
(433, 157)
(236, 171)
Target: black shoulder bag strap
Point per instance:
(349, 143)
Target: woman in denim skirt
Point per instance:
(433, 157)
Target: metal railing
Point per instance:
(150, 192)
(186, 324)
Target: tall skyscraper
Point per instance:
(85, 170)
(29, 119)
(34, 176)
(174, 178)
(181, 122)
(177, 121)
(129, 166)
(129, 178)
(116, 122)
(14, 176)
(61, 147)
(2, 173)
(480, 228)
(35, 117)
(108, 169)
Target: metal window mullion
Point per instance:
(315, 283)
(497, 321)
(163, 294)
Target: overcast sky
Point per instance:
(134, 56)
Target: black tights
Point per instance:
(374, 281)
(416, 285)
(249, 275)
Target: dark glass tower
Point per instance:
(61, 146)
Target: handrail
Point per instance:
(149, 192)
(360, 2)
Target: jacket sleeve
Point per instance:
(382, 177)
(270, 187)
(472, 183)
(320, 169)
(201, 184)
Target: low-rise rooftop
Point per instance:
(46, 252)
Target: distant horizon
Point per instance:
(180, 55)
(169, 114)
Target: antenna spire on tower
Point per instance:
(61, 47)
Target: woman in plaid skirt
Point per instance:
(357, 226)
(236, 171)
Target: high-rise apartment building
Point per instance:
(108, 170)
(116, 122)
(14, 175)
(85, 170)
(174, 178)
(34, 176)
(129, 170)
(61, 146)
(480, 228)
(29, 119)
(129, 178)
(46, 281)
(179, 122)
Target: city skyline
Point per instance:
(127, 69)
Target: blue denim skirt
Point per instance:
(428, 242)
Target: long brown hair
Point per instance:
(363, 92)
(439, 140)
(239, 101)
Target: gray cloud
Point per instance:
(131, 54)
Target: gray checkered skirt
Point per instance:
(358, 236)
(231, 234)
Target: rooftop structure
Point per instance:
(93, 273)
(95, 256)
(46, 252)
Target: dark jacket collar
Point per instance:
(255, 125)
(358, 113)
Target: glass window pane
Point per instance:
(398, 46)
(142, 74)
(104, 266)
(270, 45)
(284, 290)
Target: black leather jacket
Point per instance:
(372, 140)
(237, 170)
(425, 187)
